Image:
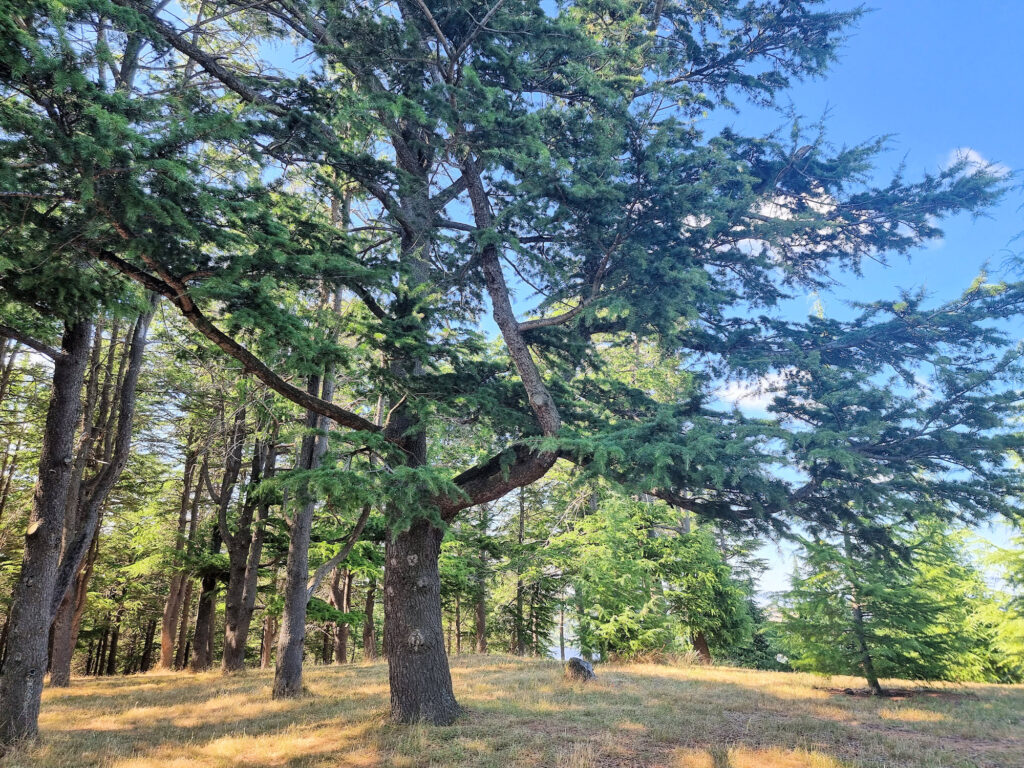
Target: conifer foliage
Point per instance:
(433, 245)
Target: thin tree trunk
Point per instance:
(238, 615)
(21, 685)
(101, 650)
(290, 643)
(520, 628)
(147, 649)
(561, 631)
(181, 657)
(480, 618)
(341, 598)
(267, 646)
(176, 595)
(115, 635)
(867, 663)
(458, 625)
(369, 634)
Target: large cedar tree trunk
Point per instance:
(421, 684)
(21, 685)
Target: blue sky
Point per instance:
(938, 76)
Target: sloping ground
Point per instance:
(521, 713)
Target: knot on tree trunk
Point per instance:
(417, 641)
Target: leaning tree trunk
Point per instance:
(244, 551)
(421, 684)
(83, 509)
(21, 685)
(288, 671)
(176, 593)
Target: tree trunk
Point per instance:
(421, 684)
(561, 631)
(101, 650)
(519, 640)
(182, 654)
(480, 619)
(341, 595)
(859, 632)
(369, 635)
(176, 594)
(147, 649)
(67, 625)
(700, 645)
(288, 672)
(458, 625)
(267, 644)
(240, 603)
(206, 617)
(115, 635)
(21, 686)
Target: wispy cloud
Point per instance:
(975, 161)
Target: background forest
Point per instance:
(338, 331)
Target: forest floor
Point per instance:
(523, 714)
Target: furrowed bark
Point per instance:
(288, 671)
(21, 684)
(84, 507)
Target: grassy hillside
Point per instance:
(522, 713)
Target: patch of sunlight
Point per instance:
(911, 715)
(629, 725)
(743, 757)
(577, 756)
(279, 749)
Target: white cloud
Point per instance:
(975, 161)
(755, 395)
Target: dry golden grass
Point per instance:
(523, 714)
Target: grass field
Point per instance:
(522, 713)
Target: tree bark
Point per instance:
(21, 685)
(176, 594)
(480, 618)
(341, 592)
(421, 684)
(182, 653)
(147, 649)
(115, 421)
(369, 633)
(700, 645)
(244, 554)
(288, 672)
(867, 663)
(267, 644)
(202, 638)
